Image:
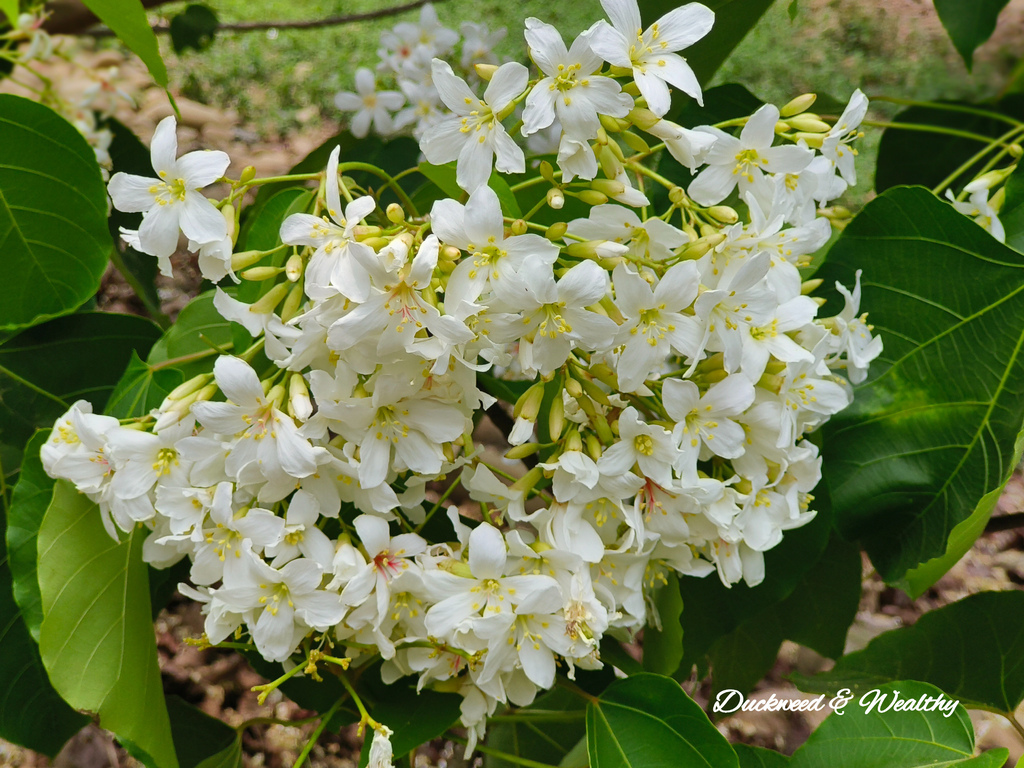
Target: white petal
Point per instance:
(625, 16)
(200, 219)
(198, 169)
(131, 193)
(508, 82)
(164, 148)
(682, 27)
(158, 234)
(487, 552)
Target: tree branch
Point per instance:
(253, 26)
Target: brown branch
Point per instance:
(252, 26)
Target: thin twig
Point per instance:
(253, 26)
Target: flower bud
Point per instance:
(592, 197)
(485, 71)
(259, 274)
(188, 387)
(299, 404)
(800, 104)
(573, 441)
(528, 481)
(782, 127)
(556, 418)
(812, 140)
(547, 172)
(376, 242)
(269, 301)
(573, 387)
(593, 446)
(810, 123)
(1016, 150)
(724, 214)
(613, 124)
(248, 174)
(395, 213)
(809, 286)
(634, 142)
(595, 392)
(522, 451)
(556, 198)
(245, 259)
(557, 230)
(643, 118)
(519, 227)
(528, 405)
(293, 267)
(677, 195)
(291, 305)
(608, 187)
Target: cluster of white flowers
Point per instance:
(406, 54)
(666, 377)
(29, 43)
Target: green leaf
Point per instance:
(892, 739)
(1012, 213)
(972, 649)
(10, 9)
(229, 757)
(817, 614)
(97, 641)
(195, 27)
(197, 736)
(141, 389)
(757, 757)
(969, 24)
(545, 741)
(44, 369)
(31, 712)
(647, 721)
(444, 177)
(934, 428)
(53, 215)
(663, 648)
(127, 19)
(793, 9)
(914, 157)
(712, 611)
(31, 497)
(187, 344)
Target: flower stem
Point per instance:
(315, 736)
(387, 177)
(931, 129)
(364, 716)
(976, 157)
(950, 108)
(265, 689)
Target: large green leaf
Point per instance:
(712, 611)
(142, 388)
(969, 24)
(53, 215)
(817, 614)
(127, 19)
(229, 757)
(545, 741)
(97, 640)
(972, 649)
(916, 157)
(197, 736)
(31, 497)
(31, 712)
(894, 739)
(933, 430)
(44, 369)
(188, 345)
(756, 757)
(647, 721)
(663, 647)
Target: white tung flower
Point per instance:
(570, 91)
(369, 105)
(650, 52)
(474, 135)
(172, 202)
